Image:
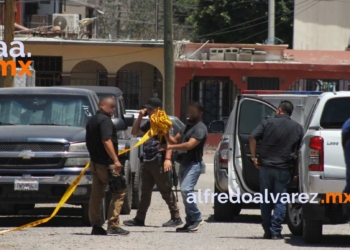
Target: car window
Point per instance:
(251, 114)
(311, 114)
(336, 111)
(71, 110)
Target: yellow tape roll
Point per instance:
(160, 125)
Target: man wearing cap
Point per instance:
(152, 173)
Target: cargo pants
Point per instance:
(153, 174)
(99, 184)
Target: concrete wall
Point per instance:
(73, 9)
(321, 25)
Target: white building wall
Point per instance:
(321, 25)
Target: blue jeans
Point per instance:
(188, 177)
(275, 181)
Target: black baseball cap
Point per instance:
(153, 103)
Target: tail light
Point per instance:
(223, 154)
(316, 161)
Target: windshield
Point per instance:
(335, 113)
(55, 110)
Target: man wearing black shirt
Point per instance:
(280, 140)
(189, 144)
(102, 143)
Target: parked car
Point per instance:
(322, 167)
(42, 146)
(123, 139)
(233, 167)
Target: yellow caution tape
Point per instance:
(160, 125)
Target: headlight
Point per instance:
(78, 147)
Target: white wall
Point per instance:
(73, 9)
(321, 25)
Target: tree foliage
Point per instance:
(241, 21)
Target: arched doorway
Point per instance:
(89, 73)
(139, 81)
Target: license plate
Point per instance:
(26, 185)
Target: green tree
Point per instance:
(240, 21)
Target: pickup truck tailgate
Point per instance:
(334, 162)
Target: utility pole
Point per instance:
(156, 21)
(8, 37)
(271, 23)
(168, 90)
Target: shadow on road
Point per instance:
(242, 218)
(331, 241)
(66, 217)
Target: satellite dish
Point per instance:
(60, 21)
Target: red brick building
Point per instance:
(215, 73)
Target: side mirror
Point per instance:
(119, 124)
(129, 120)
(217, 127)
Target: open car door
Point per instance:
(250, 112)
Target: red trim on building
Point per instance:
(300, 65)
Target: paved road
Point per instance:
(245, 233)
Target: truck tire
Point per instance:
(126, 209)
(136, 186)
(85, 212)
(8, 209)
(312, 231)
(294, 218)
(225, 212)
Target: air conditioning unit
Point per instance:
(67, 22)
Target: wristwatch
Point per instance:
(253, 158)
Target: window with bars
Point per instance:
(325, 85)
(129, 81)
(217, 95)
(48, 69)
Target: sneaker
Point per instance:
(183, 229)
(277, 236)
(134, 223)
(117, 231)
(173, 222)
(98, 231)
(195, 225)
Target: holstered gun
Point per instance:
(117, 182)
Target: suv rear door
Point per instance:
(250, 112)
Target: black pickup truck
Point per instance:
(131, 197)
(42, 146)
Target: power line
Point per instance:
(237, 25)
(317, 1)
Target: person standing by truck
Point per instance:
(280, 140)
(346, 147)
(154, 170)
(189, 144)
(105, 167)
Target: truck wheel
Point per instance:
(294, 218)
(103, 212)
(126, 209)
(85, 214)
(312, 231)
(8, 209)
(27, 206)
(136, 186)
(223, 211)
